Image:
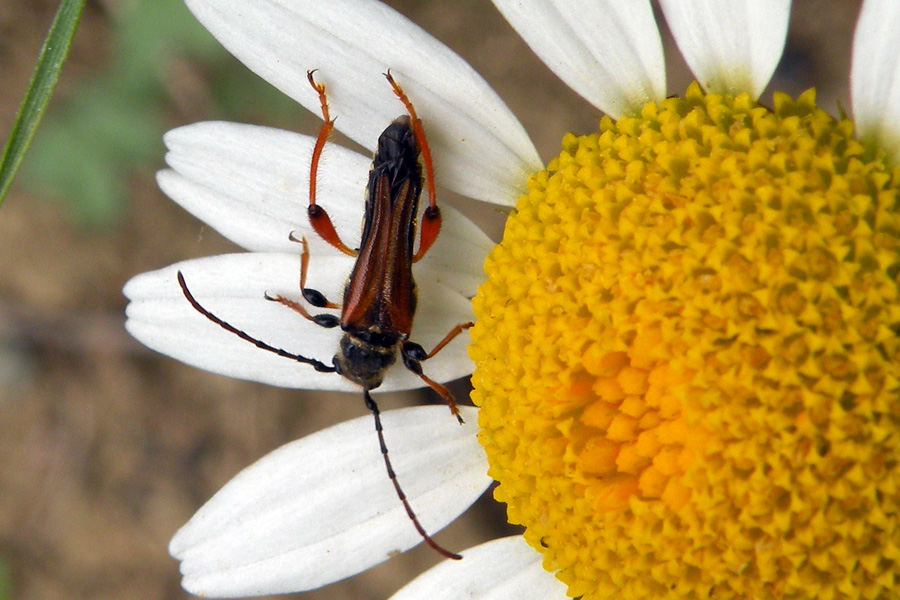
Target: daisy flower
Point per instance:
(686, 350)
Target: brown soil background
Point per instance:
(106, 448)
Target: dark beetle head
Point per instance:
(363, 363)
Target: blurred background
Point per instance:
(106, 448)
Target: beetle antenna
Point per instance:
(316, 364)
(370, 404)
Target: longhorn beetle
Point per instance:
(380, 296)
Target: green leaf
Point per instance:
(40, 88)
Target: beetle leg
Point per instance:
(318, 217)
(314, 297)
(324, 320)
(413, 354)
(449, 338)
(431, 218)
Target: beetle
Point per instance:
(380, 298)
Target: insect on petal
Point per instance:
(251, 184)
(233, 287)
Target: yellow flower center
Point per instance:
(688, 362)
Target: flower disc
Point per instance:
(688, 359)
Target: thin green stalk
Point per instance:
(40, 88)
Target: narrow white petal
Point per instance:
(322, 508)
(875, 75)
(504, 569)
(480, 149)
(608, 51)
(732, 46)
(233, 286)
(251, 184)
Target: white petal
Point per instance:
(479, 147)
(504, 569)
(252, 185)
(732, 46)
(322, 508)
(875, 75)
(608, 51)
(233, 286)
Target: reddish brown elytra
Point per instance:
(380, 296)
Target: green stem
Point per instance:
(40, 88)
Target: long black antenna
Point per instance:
(370, 404)
(316, 364)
